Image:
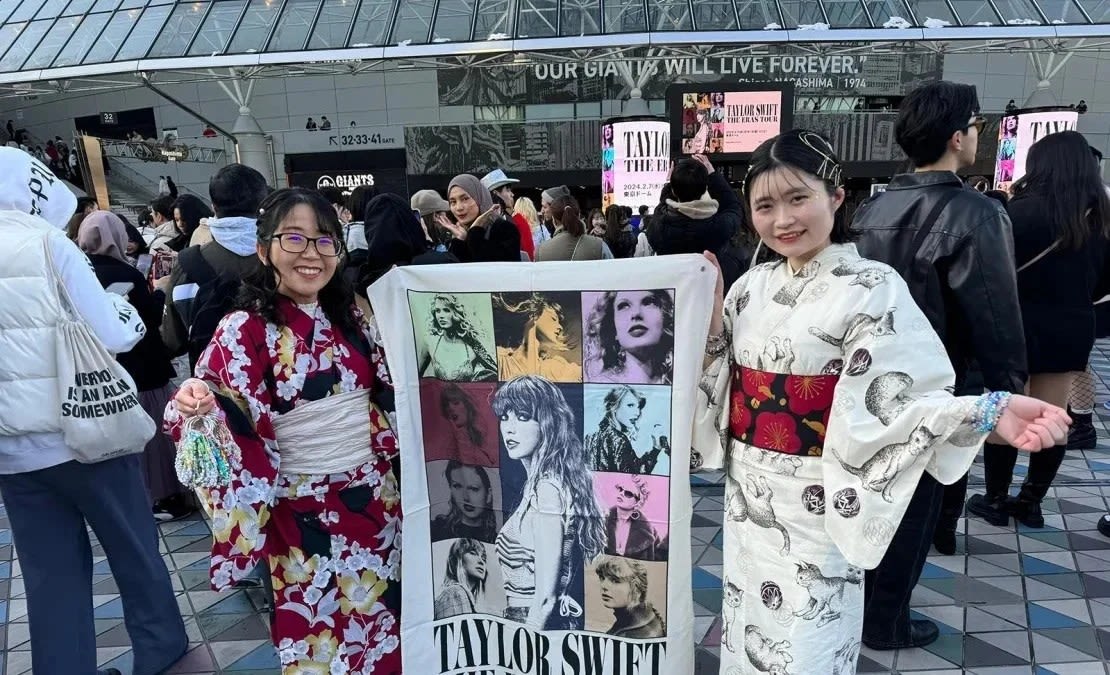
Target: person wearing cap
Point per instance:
(49, 495)
(432, 209)
(547, 198)
(482, 234)
(500, 187)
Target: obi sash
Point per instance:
(330, 435)
(780, 413)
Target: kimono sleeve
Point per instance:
(892, 419)
(233, 366)
(710, 435)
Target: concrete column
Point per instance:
(253, 150)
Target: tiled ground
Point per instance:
(1012, 602)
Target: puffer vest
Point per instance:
(29, 316)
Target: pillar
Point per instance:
(253, 149)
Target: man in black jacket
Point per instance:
(954, 248)
(688, 220)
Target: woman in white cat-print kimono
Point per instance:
(825, 396)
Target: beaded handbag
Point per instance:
(206, 453)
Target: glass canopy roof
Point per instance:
(46, 34)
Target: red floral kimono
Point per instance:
(332, 542)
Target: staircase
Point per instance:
(128, 191)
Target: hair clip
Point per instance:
(830, 167)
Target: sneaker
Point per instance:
(1082, 436)
(171, 509)
(1104, 525)
(991, 509)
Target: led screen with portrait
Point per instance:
(635, 162)
(727, 121)
(1017, 133)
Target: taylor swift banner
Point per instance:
(546, 512)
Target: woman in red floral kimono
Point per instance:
(301, 383)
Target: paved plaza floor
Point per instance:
(1013, 601)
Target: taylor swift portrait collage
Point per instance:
(546, 419)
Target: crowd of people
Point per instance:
(934, 320)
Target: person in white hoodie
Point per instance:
(48, 494)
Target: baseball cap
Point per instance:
(428, 201)
(497, 179)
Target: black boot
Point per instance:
(1082, 435)
(998, 465)
(1043, 466)
(944, 541)
(992, 508)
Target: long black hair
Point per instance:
(259, 293)
(192, 210)
(801, 151)
(1059, 171)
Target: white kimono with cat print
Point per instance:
(799, 529)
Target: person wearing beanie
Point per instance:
(394, 237)
(432, 209)
(571, 241)
(49, 495)
(482, 234)
(547, 198)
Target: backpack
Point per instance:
(215, 298)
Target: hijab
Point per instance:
(103, 233)
(473, 187)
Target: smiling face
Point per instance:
(793, 213)
(302, 275)
(463, 206)
(638, 318)
(628, 411)
(474, 565)
(521, 434)
(469, 494)
(615, 594)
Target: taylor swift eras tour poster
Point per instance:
(544, 421)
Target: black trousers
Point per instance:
(888, 587)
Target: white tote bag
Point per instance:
(101, 415)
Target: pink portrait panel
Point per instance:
(656, 503)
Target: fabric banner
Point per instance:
(547, 523)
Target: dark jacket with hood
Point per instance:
(499, 241)
(394, 236)
(962, 274)
(706, 224)
(148, 363)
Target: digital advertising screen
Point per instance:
(635, 161)
(726, 121)
(1018, 132)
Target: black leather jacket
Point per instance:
(962, 276)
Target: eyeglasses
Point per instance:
(979, 123)
(628, 493)
(291, 242)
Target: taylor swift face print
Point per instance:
(629, 336)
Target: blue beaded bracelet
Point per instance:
(989, 409)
